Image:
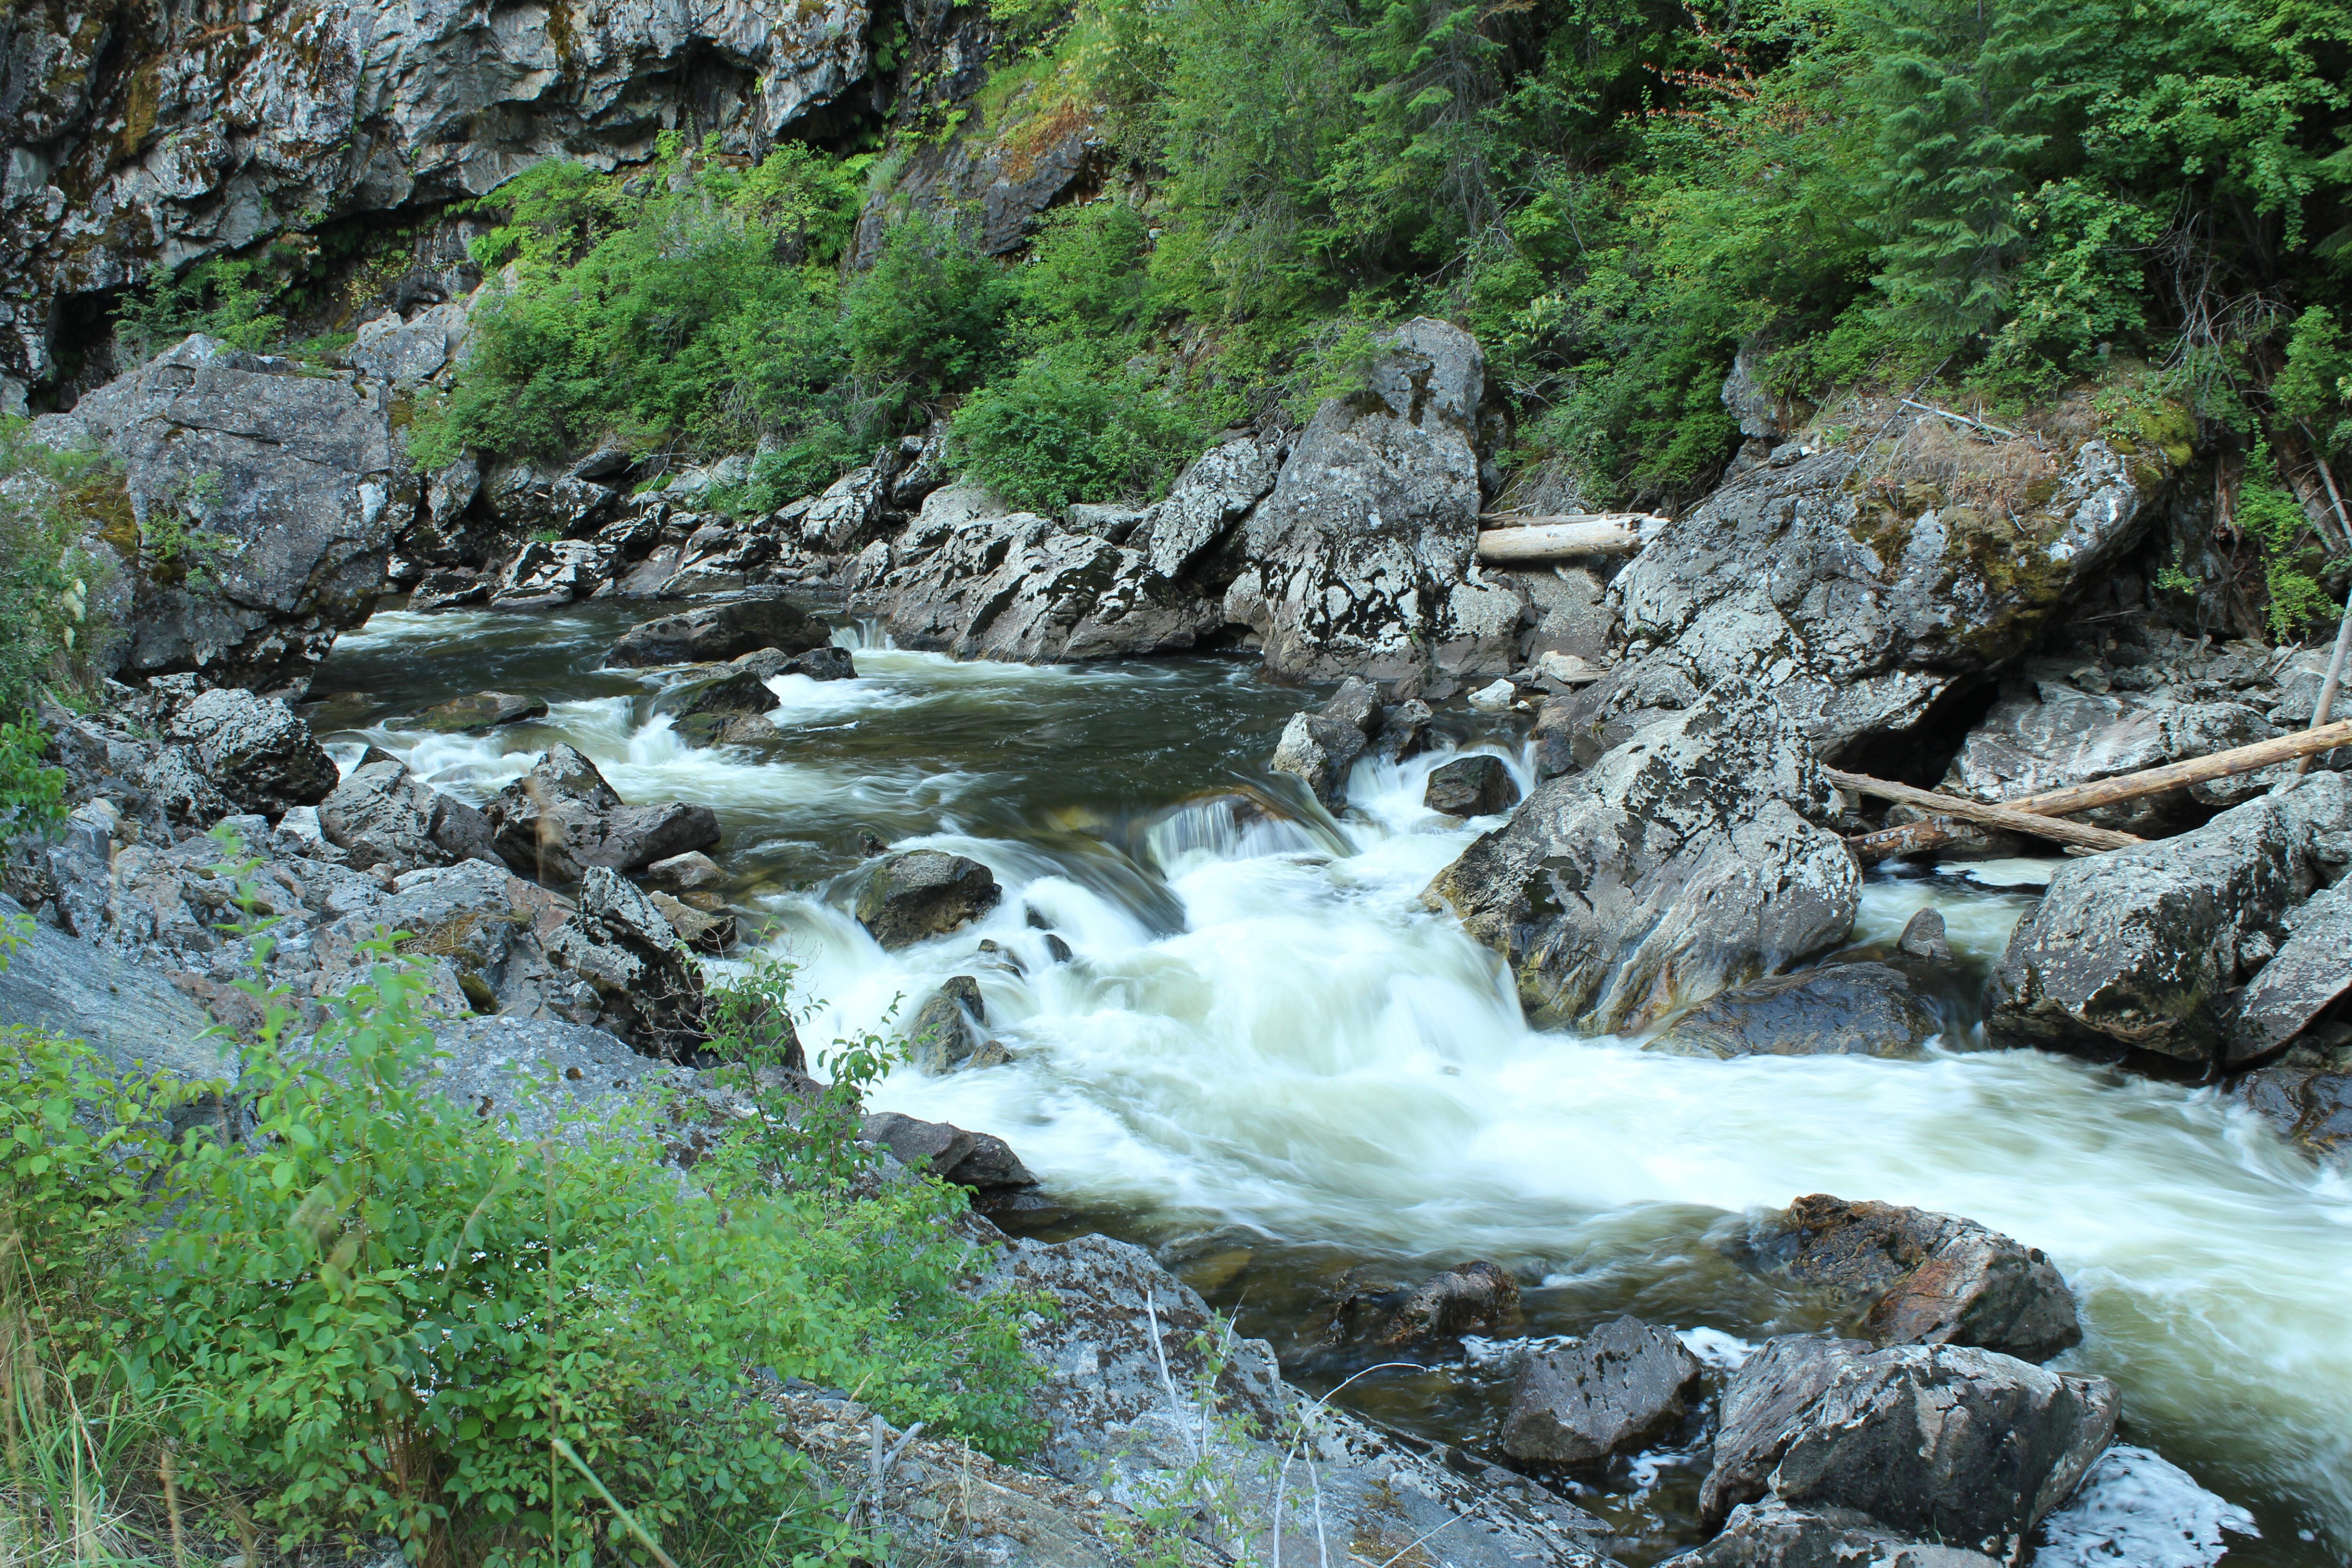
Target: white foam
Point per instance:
(2138, 1509)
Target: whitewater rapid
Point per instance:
(1261, 1028)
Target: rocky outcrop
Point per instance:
(617, 945)
(149, 137)
(1689, 859)
(924, 893)
(384, 815)
(1955, 1445)
(1479, 784)
(252, 750)
(1619, 1387)
(714, 634)
(1363, 554)
(263, 502)
(2304, 981)
(127, 1011)
(562, 819)
(1921, 1279)
(1840, 1009)
(1859, 599)
(2147, 947)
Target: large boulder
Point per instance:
(1319, 748)
(2307, 978)
(1479, 784)
(2306, 1099)
(289, 486)
(1204, 506)
(1839, 1009)
(2147, 947)
(712, 634)
(481, 710)
(981, 1160)
(1772, 1534)
(641, 984)
(1364, 556)
(1619, 1387)
(1954, 1445)
(254, 750)
(924, 893)
(382, 815)
(1922, 1278)
(1859, 599)
(1691, 858)
(562, 819)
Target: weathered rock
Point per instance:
(944, 1034)
(254, 750)
(1568, 613)
(1953, 1443)
(1475, 785)
(1365, 551)
(703, 929)
(562, 819)
(740, 691)
(1554, 738)
(381, 815)
(2306, 1098)
(1923, 1278)
(840, 519)
(233, 136)
(411, 351)
(2147, 946)
(294, 491)
(1465, 1298)
(1923, 937)
(1405, 730)
(924, 893)
(1319, 748)
(1689, 859)
(1621, 1384)
(1858, 605)
(643, 985)
(125, 1010)
(1840, 1009)
(545, 573)
(535, 1077)
(1772, 1534)
(716, 633)
(978, 1160)
(827, 663)
(176, 782)
(692, 872)
(1207, 504)
(482, 711)
(2310, 974)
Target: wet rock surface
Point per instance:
(1840, 1009)
(561, 819)
(1624, 1383)
(2305, 1096)
(1478, 785)
(981, 1160)
(946, 1031)
(714, 634)
(924, 893)
(1923, 1278)
(482, 711)
(1691, 858)
(1319, 748)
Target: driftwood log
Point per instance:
(1552, 539)
(1913, 837)
(2010, 818)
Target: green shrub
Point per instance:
(55, 574)
(1065, 427)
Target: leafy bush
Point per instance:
(1065, 427)
(55, 507)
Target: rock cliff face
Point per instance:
(142, 134)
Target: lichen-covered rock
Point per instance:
(1840, 1009)
(644, 987)
(1319, 748)
(1365, 551)
(1922, 1278)
(1689, 859)
(2148, 946)
(714, 634)
(1475, 785)
(254, 750)
(1772, 1534)
(924, 893)
(289, 486)
(562, 819)
(825, 663)
(2308, 975)
(546, 573)
(1621, 1384)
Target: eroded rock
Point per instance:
(1621, 1384)
(641, 985)
(714, 634)
(1840, 1009)
(562, 819)
(923, 893)
(254, 750)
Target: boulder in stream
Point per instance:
(1319, 748)
(977, 1160)
(1923, 1278)
(1621, 1384)
(2306, 1098)
(482, 711)
(944, 1035)
(1693, 857)
(692, 872)
(1475, 785)
(825, 663)
(1839, 1009)
(923, 893)
(713, 634)
(1463, 1300)
(562, 819)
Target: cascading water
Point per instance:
(1266, 1057)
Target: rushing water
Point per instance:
(1267, 1060)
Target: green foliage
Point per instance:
(926, 317)
(2275, 520)
(54, 576)
(2313, 387)
(225, 296)
(32, 796)
(1068, 426)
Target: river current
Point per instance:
(1266, 1062)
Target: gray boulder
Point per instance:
(1205, 506)
(1840, 1009)
(1917, 1277)
(923, 893)
(1621, 1385)
(1319, 748)
(945, 1032)
(379, 815)
(840, 519)
(1474, 785)
(1772, 1534)
(293, 481)
(1954, 1445)
(641, 984)
(2302, 981)
(562, 819)
(1466, 1298)
(1691, 858)
(176, 782)
(2148, 946)
(692, 872)
(981, 1160)
(535, 1076)
(2306, 1099)
(254, 750)
(127, 1011)
(1364, 553)
(741, 690)
(825, 663)
(714, 634)
(482, 711)
(546, 573)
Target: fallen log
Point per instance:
(2010, 818)
(1910, 838)
(1557, 540)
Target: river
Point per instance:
(1265, 1060)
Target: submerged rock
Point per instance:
(1465, 1298)
(1923, 1278)
(1624, 1384)
(924, 893)
(1689, 859)
(714, 634)
(1475, 785)
(1840, 1009)
(482, 711)
(562, 819)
